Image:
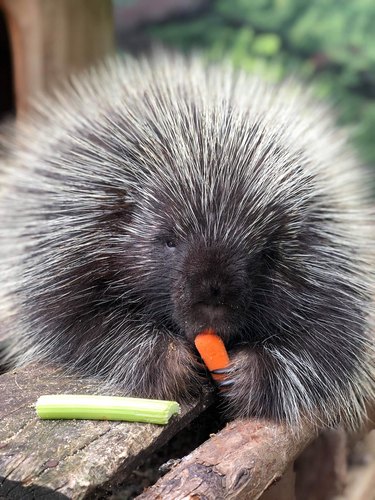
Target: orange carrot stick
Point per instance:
(212, 351)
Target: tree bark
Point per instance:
(241, 462)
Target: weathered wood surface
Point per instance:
(240, 462)
(68, 459)
(51, 38)
(258, 459)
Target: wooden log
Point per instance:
(255, 459)
(69, 458)
(52, 38)
(241, 462)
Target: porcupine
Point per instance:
(155, 198)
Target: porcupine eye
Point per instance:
(170, 243)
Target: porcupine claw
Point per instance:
(222, 384)
(222, 371)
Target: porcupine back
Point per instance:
(137, 153)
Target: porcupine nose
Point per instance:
(215, 291)
(211, 301)
(209, 295)
(210, 291)
(209, 283)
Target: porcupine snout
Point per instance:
(214, 287)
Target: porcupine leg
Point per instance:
(173, 371)
(157, 366)
(248, 386)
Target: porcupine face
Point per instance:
(197, 280)
(206, 276)
(210, 256)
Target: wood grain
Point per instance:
(241, 462)
(74, 457)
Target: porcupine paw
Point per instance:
(244, 386)
(176, 373)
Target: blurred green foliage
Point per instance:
(329, 42)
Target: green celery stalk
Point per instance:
(69, 406)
